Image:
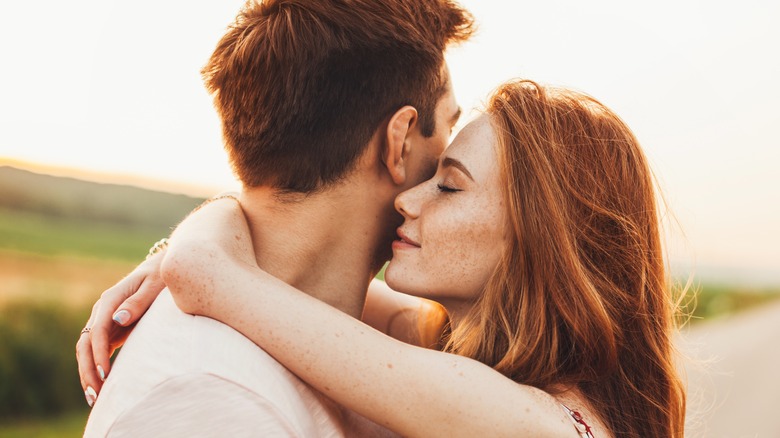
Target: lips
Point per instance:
(406, 240)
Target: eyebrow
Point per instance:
(448, 161)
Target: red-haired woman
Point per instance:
(538, 234)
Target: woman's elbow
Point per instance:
(184, 269)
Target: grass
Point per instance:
(90, 202)
(61, 236)
(62, 243)
(63, 426)
(72, 280)
(717, 301)
(52, 268)
(38, 374)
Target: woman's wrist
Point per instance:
(158, 247)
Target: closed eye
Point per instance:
(445, 189)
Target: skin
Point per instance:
(454, 228)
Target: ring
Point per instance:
(86, 330)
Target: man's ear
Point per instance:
(397, 146)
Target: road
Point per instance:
(734, 375)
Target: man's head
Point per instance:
(302, 85)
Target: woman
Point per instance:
(538, 234)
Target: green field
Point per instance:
(37, 233)
(62, 243)
(711, 301)
(65, 426)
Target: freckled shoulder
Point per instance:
(571, 403)
(551, 419)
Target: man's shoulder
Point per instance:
(202, 405)
(168, 342)
(169, 347)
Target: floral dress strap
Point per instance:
(582, 428)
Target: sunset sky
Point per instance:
(114, 87)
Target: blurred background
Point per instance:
(107, 139)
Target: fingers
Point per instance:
(101, 324)
(115, 319)
(101, 353)
(131, 310)
(103, 327)
(90, 381)
(87, 374)
(134, 293)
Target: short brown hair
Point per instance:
(302, 85)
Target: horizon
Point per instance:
(94, 95)
(129, 179)
(751, 279)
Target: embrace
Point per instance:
(526, 295)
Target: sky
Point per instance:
(114, 88)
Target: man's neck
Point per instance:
(325, 244)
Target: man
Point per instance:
(329, 110)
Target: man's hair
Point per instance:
(302, 85)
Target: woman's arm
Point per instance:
(414, 391)
(409, 319)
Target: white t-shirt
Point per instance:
(184, 375)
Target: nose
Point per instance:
(408, 203)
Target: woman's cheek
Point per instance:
(456, 257)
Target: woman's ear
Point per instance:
(397, 147)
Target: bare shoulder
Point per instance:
(548, 418)
(574, 401)
(529, 411)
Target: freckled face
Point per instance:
(453, 235)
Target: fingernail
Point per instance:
(91, 395)
(102, 373)
(121, 317)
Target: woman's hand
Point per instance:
(113, 317)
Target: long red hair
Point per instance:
(581, 296)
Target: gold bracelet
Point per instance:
(158, 246)
(216, 198)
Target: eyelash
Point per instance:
(444, 189)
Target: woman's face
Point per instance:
(453, 235)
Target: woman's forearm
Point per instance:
(411, 390)
(223, 224)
